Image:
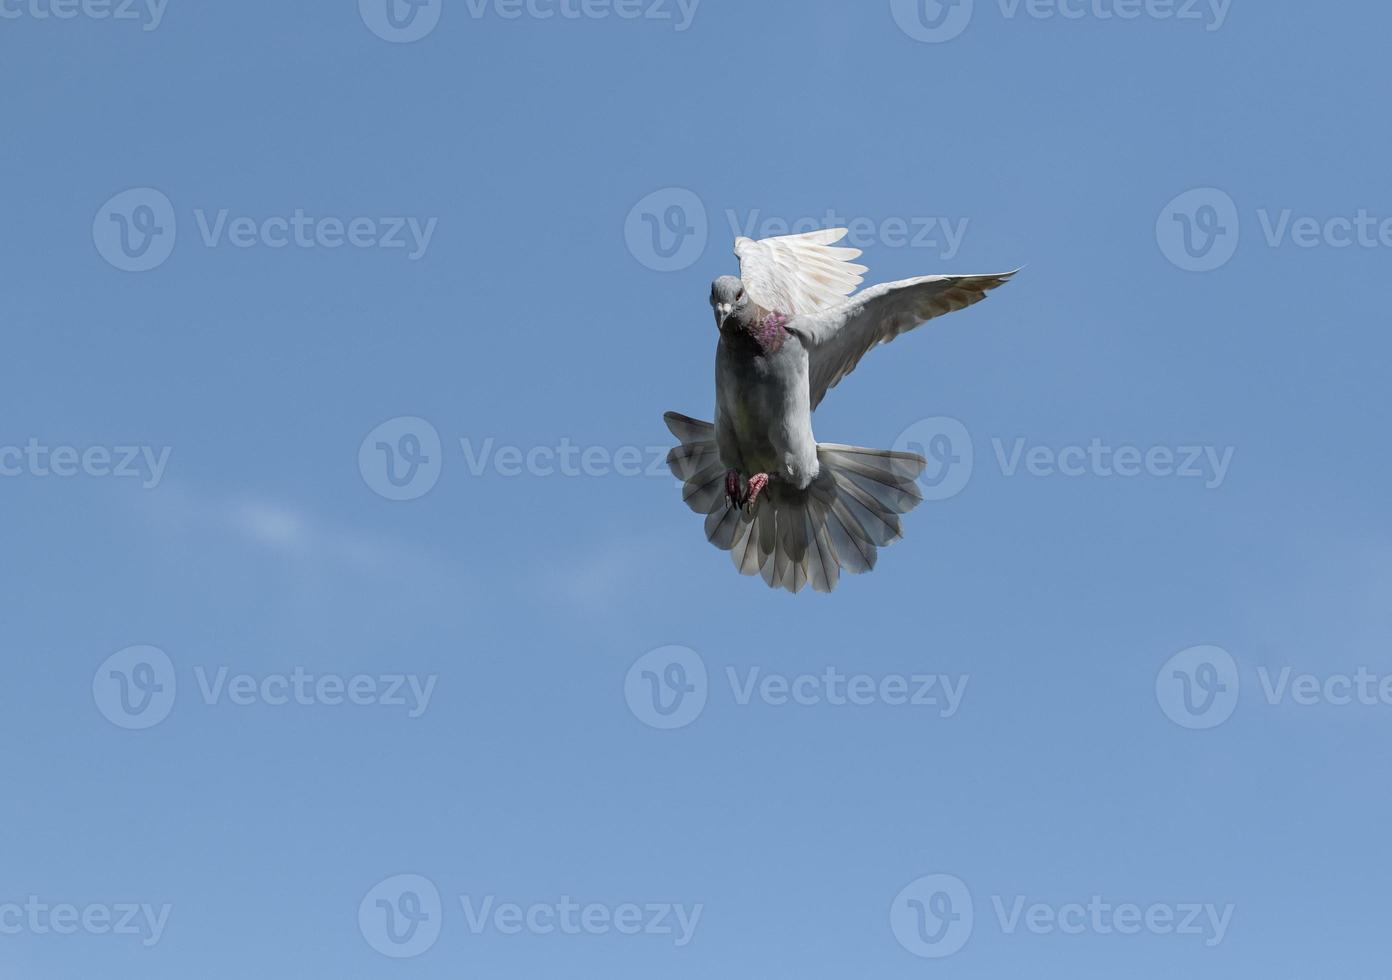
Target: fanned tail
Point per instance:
(796, 538)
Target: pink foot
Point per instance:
(733, 492)
(757, 483)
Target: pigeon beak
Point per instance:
(722, 313)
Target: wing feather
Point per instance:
(838, 338)
(799, 274)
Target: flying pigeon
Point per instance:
(785, 507)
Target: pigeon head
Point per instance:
(728, 299)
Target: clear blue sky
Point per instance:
(524, 308)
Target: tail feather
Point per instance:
(689, 430)
(891, 499)
(704, 490)
(722, 523)
(880, 525)
(745, 551)
(796, 538)
(770, 567)
(793, 532)
(688, 460)
(777, 564)
(854, 549)
(823, 566)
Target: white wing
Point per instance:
(799, 274)
(837, 339)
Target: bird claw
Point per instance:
(734, 494)
(757, 483)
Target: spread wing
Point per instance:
(799, 274)
(838, 338)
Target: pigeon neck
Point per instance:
(769, 330)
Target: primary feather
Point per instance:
(798, 274)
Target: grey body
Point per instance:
(763, 410)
